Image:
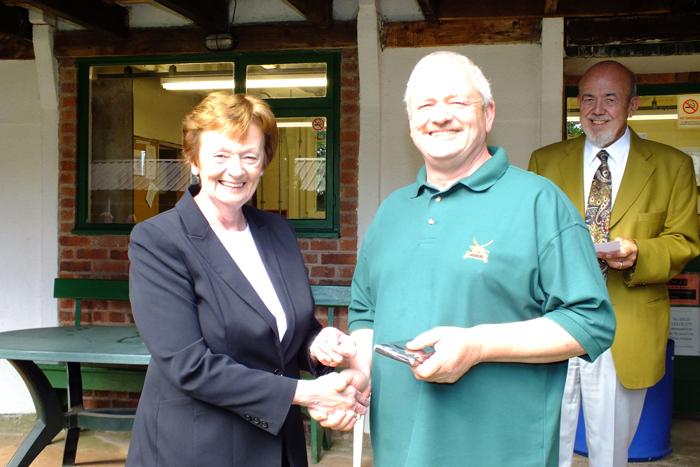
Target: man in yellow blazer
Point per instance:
(654, 217)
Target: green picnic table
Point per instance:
(73, 345)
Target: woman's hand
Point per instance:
(331, 347)
(332, 400)
(344, 420)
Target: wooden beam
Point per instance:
(318, 12)
(14, 22)
(471, 31)
(461, 9)
(429, 9)
(107, 19)
(550, 7)
(156, 41)
(12, 48)
(207, 14)
(631, 30)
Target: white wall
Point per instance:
(20, 211)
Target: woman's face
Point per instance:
(230, 169)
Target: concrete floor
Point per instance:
(108, 449)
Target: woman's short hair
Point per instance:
(230, 114)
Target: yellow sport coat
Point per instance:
(657, 207)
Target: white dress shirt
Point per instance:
(617, 161)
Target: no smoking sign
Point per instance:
(318, 124)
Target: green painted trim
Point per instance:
(328, 107)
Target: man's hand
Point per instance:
(331, 347)
(345, 419)
(455, 353)
(625, 257)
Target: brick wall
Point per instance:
(328, 260)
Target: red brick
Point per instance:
(69, 87)
(67, 165)
(323, 244)
(348, 191)
(322, 271)
(91, 253)
(349, 94)
(348, 244)
(349, 136)
(67, 178)
(348, 177)
(310, 258)
(75, 266)
(346, 272)
(68, 101)
(349, 108)
(348, 218)
(74, 240)
(350, 123)
(338, 258)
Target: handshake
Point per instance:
(336, 400)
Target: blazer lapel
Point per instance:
(270, 254)
(571, 168)
(637, 173)
(213, 251)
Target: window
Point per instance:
(130, 112)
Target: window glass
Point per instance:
(294, 184)
(130, 164)
(287, 80)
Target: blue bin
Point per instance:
(653, 438)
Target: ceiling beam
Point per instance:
(207, 14)
(12, 48)
(14, 22)
(259, 37)
(632, 30)
(460, 9)
(429, 9)
(107, 19)
(460, 32)
(317, 12)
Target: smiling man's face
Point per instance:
(447, 118)
(605, 105)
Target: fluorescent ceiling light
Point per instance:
(188, 84)
(293, 124)
(286, 83)
(637, 117)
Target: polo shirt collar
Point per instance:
(481, 180)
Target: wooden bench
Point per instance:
(131, 378)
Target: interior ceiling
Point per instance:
(108, 19)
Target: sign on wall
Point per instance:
(685, 330)
(689, 111)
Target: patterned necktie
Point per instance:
(600, 205)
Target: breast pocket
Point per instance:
(649, 224)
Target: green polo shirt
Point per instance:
(499, 246)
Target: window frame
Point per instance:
(328, 107)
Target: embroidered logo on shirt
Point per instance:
(477, 251)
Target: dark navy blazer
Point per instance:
(220, 385)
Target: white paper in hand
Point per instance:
(607, 247)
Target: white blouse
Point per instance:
(242, 249)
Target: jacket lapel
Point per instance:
(571, 168)
(270, 252)
(637, 173)
(213, 251)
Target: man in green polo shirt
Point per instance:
(494, 267)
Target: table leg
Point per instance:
(48, 411)
(74, 382)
